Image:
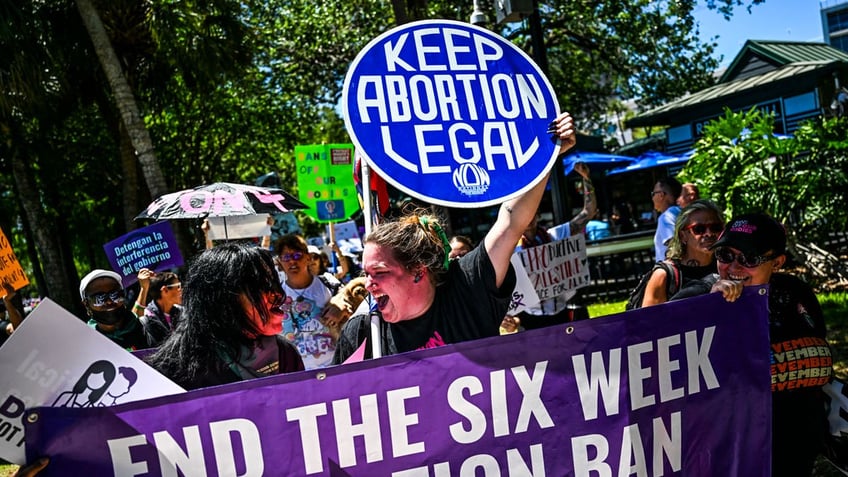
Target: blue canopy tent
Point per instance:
(652, 159)
(598, 159)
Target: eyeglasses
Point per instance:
(701, 229)
(178, 286)
(657, 192)
(725, 255)
(288, 257)
(99, 299)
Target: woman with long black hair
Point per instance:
(232, 317)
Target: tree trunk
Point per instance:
(57, 283)
(124, 99)
(129, 184)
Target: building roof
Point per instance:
(782, 65)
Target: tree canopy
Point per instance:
(227, 89)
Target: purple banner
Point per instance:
(677, 389)
(153, 247)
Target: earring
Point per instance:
(417, 278)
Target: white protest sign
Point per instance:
(523, 295)
(239, 226)
(557, 269)
(54, 359)
(347, 237)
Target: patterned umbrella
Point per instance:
(221, 199)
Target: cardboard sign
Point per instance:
(451, 113)
(238, 226)
(10, 268)
(54, 359)
(325, 181)
(523, 295)
(631, 394)
(153, 247)
(558, 268)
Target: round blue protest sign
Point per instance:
(451, 113)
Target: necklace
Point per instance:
(299, 292)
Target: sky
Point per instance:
(787, 20)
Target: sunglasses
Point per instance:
(178, 286)
(288, 257)
(701, 229)
(725, 255)
(657, 192)
(99, 299)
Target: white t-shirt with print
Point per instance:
(302, 327)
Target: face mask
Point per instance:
(111, 317)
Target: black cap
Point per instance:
(753, 235)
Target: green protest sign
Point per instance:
(325, 181)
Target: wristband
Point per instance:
(137, 305)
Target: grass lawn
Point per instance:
(835, 307)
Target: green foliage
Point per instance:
(801, 181)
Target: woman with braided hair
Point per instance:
(425, 299)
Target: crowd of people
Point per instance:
(243, 312)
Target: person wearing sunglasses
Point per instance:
(229, 329)
(689, 254)
(308, 295)
(750, 252)
(105, 303)
(161, 315)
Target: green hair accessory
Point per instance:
(441, 233)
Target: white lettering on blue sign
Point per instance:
(443, 110)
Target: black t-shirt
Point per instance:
(289, 361)
(467, 306)
(801, 364)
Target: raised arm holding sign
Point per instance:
(426, 300)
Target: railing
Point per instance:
(616, 264)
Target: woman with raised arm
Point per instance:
(427, 300)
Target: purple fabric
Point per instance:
(433, 409)
(153, 247)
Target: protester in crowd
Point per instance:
(460, 245)
(307, 295)
(318, 265)
(105, 304)
(689, 255)
(555, 311)
(423, 298)
(749, 252)
(665, 194)
(622, 218)
(144, 275)
(228, 330)
(162, 314)
(688, 193)
(348, 268)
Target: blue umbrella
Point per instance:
(652, 159)
(603, 159)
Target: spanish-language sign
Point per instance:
(450, 113)
(54, 359)
(558, 268)
(153, 247)
(637, 393)
(10, 268)
(325, 181)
